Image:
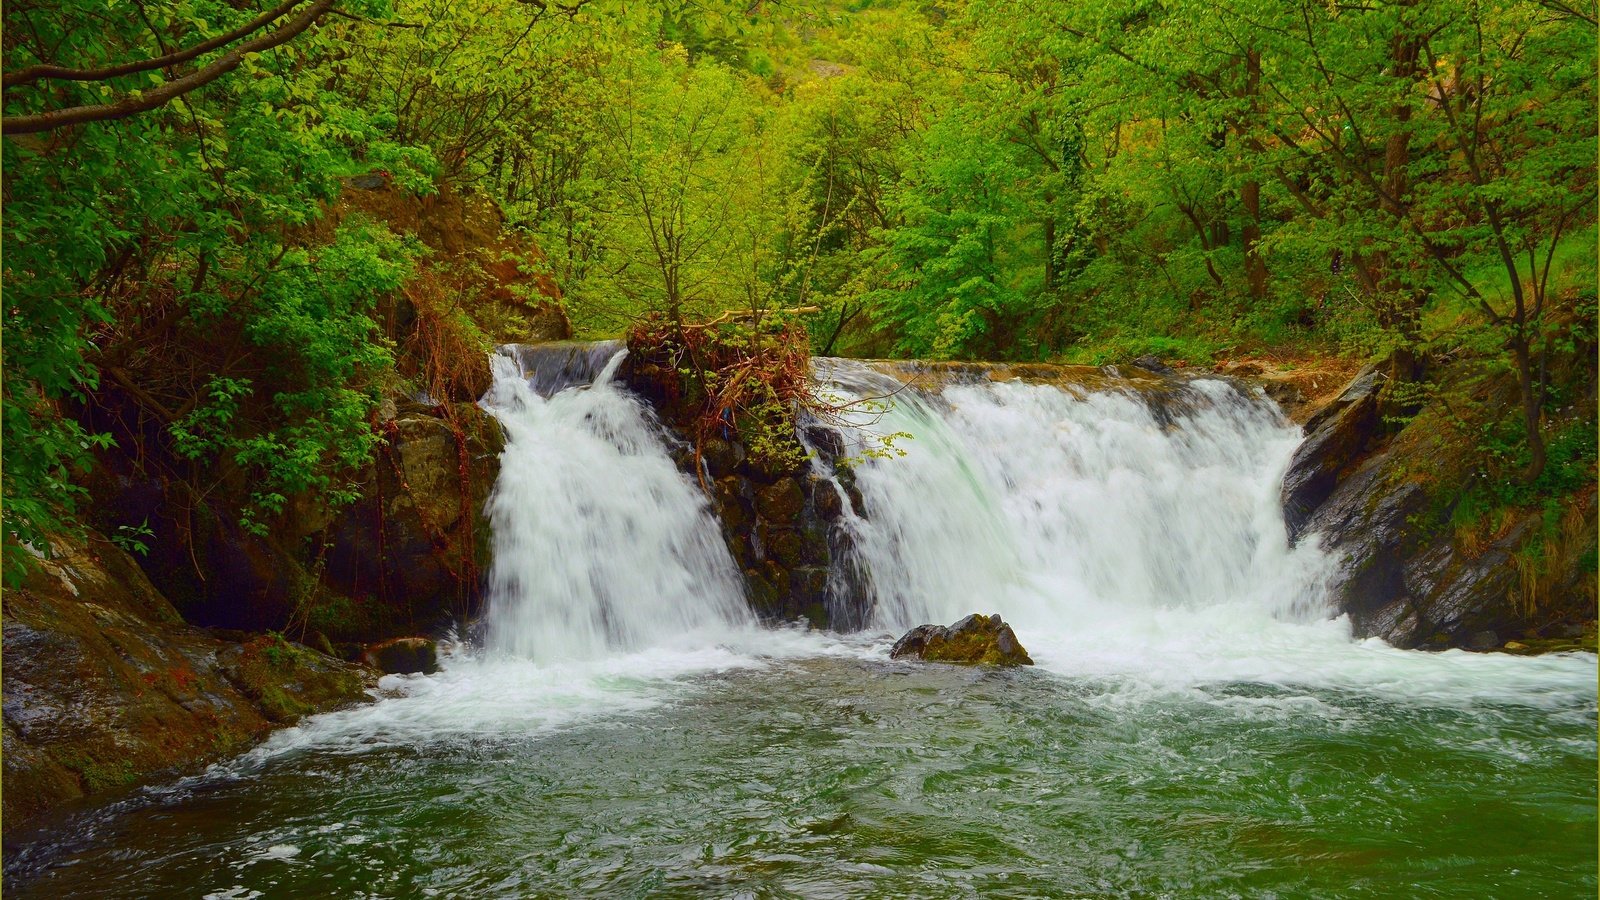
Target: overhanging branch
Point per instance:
(62, 73)
(133, 104)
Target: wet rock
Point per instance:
(827, 442)
(721, 457)
(473, 377)
(287, 680)
(1336, 438)
(1153, 364)
(403, 656)
(106, 688)
(827, 501)
(852, 492)
(735, 504)
(765, 598)
(781, 501)
(976, 639)
(410, 553)
(1484, 640)
(782, 545)
(1410, 568)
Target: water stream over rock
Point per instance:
(1198, 724)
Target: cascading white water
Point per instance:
(1107, 517)
(600, 543)
(1134, 539)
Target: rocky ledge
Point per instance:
(977, 639)
(1418, 566)
(107, 688)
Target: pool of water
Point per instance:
(803, 766)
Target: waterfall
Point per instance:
(1107, 514)
(1136, 515)
(600, 543)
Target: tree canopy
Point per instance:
(1016, 179)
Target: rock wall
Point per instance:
(406, 558)
(776, 513)
(106, 688)
(409, 557)
(1386, 498)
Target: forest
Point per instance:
(187, 284)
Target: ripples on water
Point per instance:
(829, 771)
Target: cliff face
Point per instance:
(105, 687)
(1436, 550)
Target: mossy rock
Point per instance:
(403, 656)
(975, 640)
(288, 681)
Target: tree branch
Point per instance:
(62, 73)
(133, 104)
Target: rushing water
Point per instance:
(1197, 726)
(600, 544)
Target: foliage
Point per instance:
(1009, 179)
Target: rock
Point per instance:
(403, 656)
(1483, 640)
(721, 457)
(1153, 364)
(287, 680)
(735, 500)
(106, 688)
(472, 379)
(370, 182)
(1411, 568)
(828, 500)
(1336, 438)
(827, 442)
(974, 639)
(409, 554)
(780, 502)
(783, 545)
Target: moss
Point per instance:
(96, 775)
(288, 681)
(977, 639)
(1587, 641)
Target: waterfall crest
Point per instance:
(1126, 511)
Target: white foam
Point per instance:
(1124, 544)
(601, 544)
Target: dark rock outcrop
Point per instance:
(1410, 570)
(105, 687)
(1336, 437)
(976, 639)
(403, 656)
(776, 512)
(408, 557)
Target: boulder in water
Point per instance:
(403, 656)
(975, 639)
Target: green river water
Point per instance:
(846, 775)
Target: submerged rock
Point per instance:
(403, 656)
(975, 639)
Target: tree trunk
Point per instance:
(1050, 255)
